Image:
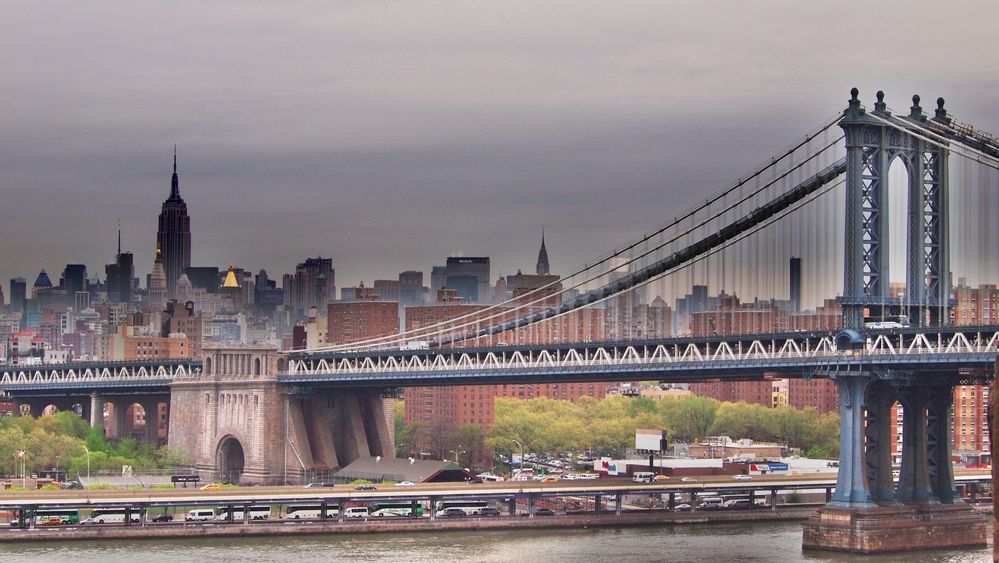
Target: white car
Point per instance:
(742, 477)
(688, 480)
(404, 484)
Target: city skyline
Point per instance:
(375, 126)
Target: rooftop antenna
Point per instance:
(119, 236)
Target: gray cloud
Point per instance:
(389, 134)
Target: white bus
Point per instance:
(643, 476)
(256, 513)
(304, 512)
(469, 507)
(111, 516)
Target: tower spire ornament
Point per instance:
(542, 268)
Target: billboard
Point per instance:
(516, 459)
(649, 439)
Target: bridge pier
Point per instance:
(865, 514)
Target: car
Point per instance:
(489, 511)
(550, 480)
(741, 477)
(681, 508)
(544, 512)
(659, 478)
(688, 480)
(453, 512)
(365, 487)
(163, 517)
(319, 485)
(72, 485)
(405, 484)
(211, 487)
(50, 521)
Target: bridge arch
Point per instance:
(230, 459)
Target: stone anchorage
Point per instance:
(240, 424)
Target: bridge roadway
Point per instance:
(424, 491)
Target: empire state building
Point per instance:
(173, 239)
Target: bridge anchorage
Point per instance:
(869, 513)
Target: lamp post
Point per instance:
(86, 449)
(457, 452)
(521, 456)
(57, 469)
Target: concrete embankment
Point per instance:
(399, 525)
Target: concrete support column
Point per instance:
(852, 490)
(773, 500)
(914, 478)
(433, 509)
(512, 506)
(672, 502)
(530, 506)
(941, 468)
(152, 421)
(598, 503)
(618, 502)
(96, 411)
(878, 435)
(319, 414)
(376, 427)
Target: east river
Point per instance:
(701, 542)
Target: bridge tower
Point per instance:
(872, 145)
(241, 424)
(869, 512)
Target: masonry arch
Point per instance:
(208, 365)
(230, 459)
(256, 366)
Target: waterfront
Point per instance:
(773, 541)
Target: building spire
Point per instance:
(174, 182)
(542, 268)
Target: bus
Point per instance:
(306, 511)
(469, 507)
(112, 516)
(47, 518)
(256, 513)
(643, 476)
(396, 509)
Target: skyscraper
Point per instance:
(174, 235)
(542, 268)
(18, 293)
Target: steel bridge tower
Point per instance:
(869, 511)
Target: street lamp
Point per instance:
(521, 456)
(86, 449)
(457, 452)
(57, 468)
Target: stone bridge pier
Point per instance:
(240, 424)
(869, 512)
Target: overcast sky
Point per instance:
(390, 135)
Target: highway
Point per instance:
(424, 491)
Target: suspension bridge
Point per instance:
(828, 199)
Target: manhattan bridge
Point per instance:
(834, 199)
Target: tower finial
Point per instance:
(174, 182)
(119, 236)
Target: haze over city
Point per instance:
(390, 135)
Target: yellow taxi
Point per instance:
(211, 487)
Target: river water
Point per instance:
(765, 542)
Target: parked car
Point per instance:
(365, 488)
(165, 517)
(544, 512)
(72, 485)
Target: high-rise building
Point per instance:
(438, 278)
(74, 278)
(411, 288)
(157, 283)
(542, 268)
(173, 237)
(312, 285)
(119, 278)
(42, 282)
(470, 276)
(18, 293)
(361, 319)
(795, 285)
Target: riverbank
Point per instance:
(396, 525)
